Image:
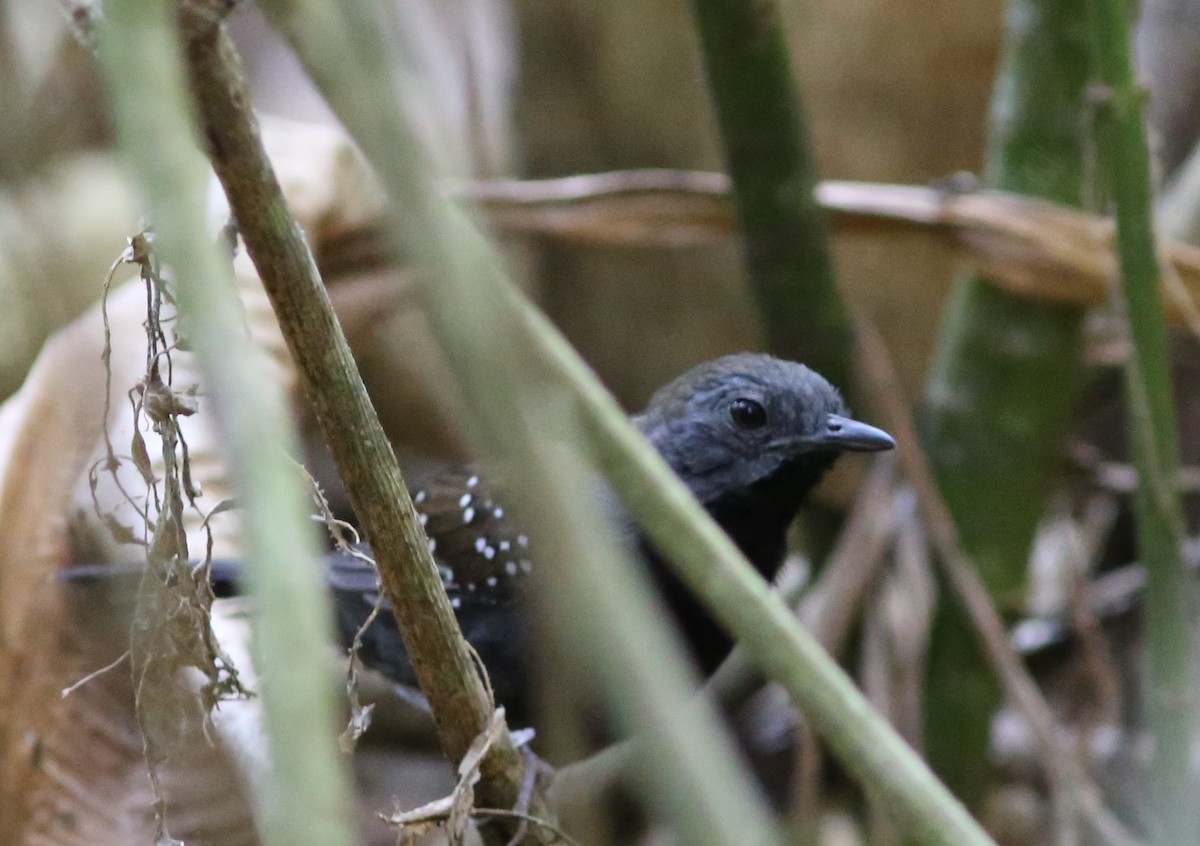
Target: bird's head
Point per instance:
(752, 422)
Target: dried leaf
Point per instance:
(360, 714)
(138, 251)
(1028, 245)
(455, 810)
(360, 721)
(141, 458)
(120, 532)
(468, 776)
(423, 818)
(223, 506)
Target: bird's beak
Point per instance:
(843, 434)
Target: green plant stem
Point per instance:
(305, 799)
(774, 641)
(591, 589)
(1121, 138)
(334, 53)
(366, 463)
(1005, 378)
(783, 229)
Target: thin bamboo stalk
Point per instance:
(784, 236)
(597, 597)
(1170, 693)
(469, 299)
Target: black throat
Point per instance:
(756, 518)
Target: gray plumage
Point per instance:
(749, 434)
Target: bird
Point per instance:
(749, 434)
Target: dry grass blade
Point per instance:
(673, 207)
(1062, 766)
(1030, 246)
(895, 645)
(454, 811)
(831, 606)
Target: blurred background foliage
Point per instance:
(560, 90)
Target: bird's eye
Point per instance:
(748, 413)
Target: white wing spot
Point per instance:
(455, 602)
(489, 552)
(468, 515)
(498, 513)
(465, 500)
(505, 546)
(511, 568)
(526, 565)
(419, 497)
(423, 517)
(433, 544)
(522, 541)
(480, 544)
(472, 481)
(491, 581)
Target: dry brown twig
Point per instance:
(1099, 515)
(1027, 245)
(446, 669)
(345, 539)
(1065, 771)
(830, 607)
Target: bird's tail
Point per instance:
(225, 575)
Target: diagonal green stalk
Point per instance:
(591, 588)
(305, 799)
(1170, 694)
(1006, 376)
(784, 236)
(470, 299)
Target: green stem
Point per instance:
(471, 303)
(305, 799)
(597, 597)
(762, 623)
(1006, 377)
(783, 228)
(1121, 139)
